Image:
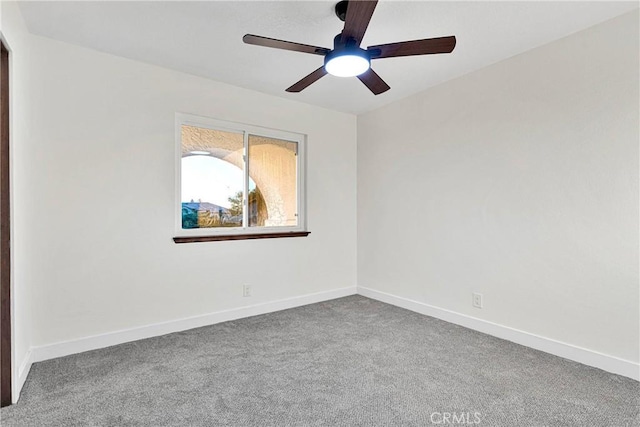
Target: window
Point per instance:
(237, 181)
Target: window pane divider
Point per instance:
(245, 197)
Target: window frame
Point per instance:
(235, 233)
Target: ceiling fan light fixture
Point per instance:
(348, 59)
(347, 63)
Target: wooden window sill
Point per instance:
(197, 239)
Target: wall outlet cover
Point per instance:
(477, 300)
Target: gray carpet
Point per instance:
(346, 362)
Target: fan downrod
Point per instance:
(341, 9)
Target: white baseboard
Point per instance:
(95, 342)
(21, 376)
(568, 351)
(577, 354)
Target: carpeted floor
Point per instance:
(346, 362)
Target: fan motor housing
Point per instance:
(349, 47)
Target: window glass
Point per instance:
(212, 178)
(273, 202)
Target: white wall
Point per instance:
(518, 181)
(94, 186)
(13, 32)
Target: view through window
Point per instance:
(238, 181)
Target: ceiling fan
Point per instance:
(347, 58)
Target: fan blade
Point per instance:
(306, 81)
(413, 47)
(359, 14)
(282, 44)
(374, 82)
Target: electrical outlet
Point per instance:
(477, 300)
(246, 290)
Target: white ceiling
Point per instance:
(205, 39)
